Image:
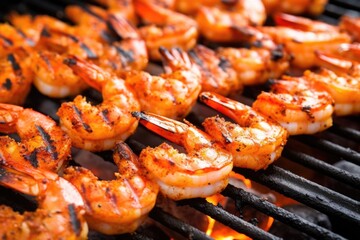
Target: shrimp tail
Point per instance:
(122, 27)
(174, 59)
(222, 104)
(165, 127)
(90, 73)
(288, 20)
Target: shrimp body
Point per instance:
(97, 128)
(297, 7)
(200, 172)
(254, 140)
(303, 44)
(296, 105)
(351, 25)
(172, 94)
(165, 28)
(120, 205)
(16, 79)
(344, 89)
(12, 38)
(43, 144)
(217, 74)
(60, 212)
(255, 66)
(53, 78)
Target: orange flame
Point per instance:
(222, 232)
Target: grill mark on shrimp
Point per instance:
(14, 64)
(75, 222)
(49, 142)
(104, 115)
(32, 158)
(7, 84)
(79, 114)
(7, 41)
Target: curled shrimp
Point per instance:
(43, 144)
(97, 128)
(120, 205)
(303, 44)
(173, 93)
(201, 172)
(16, 77)
(165, 28)
(256, 66)
(254, 140)
(300, 107)
(219, 23)
(351, 25)
(60, 212)
(341, 78)
(217, 74)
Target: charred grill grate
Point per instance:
(322, 151)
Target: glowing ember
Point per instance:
(222, 232)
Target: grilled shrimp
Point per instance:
(217, 23)
(60, 212)
(11, 39)
(217, 74)
(351, 25)
(201, 172)
(43, 144)
(97, 128)
(298, 7)
(15, 77)
(124, 8)
(303, 44)
(254, 140)
(120, 205)
(165, 28)
(341, 78)
(298, 106)
(54, 78)
(255, 66)
(171, 94)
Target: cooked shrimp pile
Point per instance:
(210, 51)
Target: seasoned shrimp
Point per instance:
(12, 38)
(351, 25)
(165, 28)
(341, 80)
(255, 66)
(254, 140)
(298, 7)
(202, 172)
(97, 128)
(15, 77)
(120, 205)
(217, 73)
(60, 212)
(43, 144)
(300, 107)
(303, 44)
(173, 93)
(216, 23)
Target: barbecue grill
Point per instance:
(307, 172)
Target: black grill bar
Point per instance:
(306, 192)
(346, 153)
(177, 225)
(316, 164)
(279, 213)
(348, 133)
(228, 219)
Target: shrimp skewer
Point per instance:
(43, 144)
(297, 105)
(202, 172)
(165, 28)
(120, 205)
(97, 128)
(173, 93)
(254, 140)
(60, 214)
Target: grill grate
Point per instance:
(277, 178)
